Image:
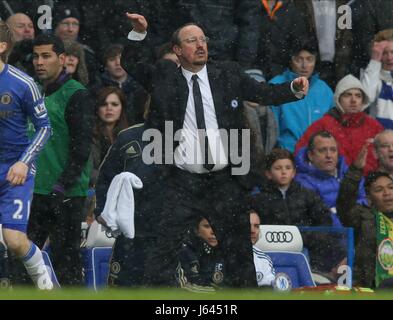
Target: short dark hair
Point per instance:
(175, 35)
(112, 51)
(374, 176)
(47, 39)
(164, 49)
(278, 154)
(322, 134)
(304, 45)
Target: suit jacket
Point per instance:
(230, 86)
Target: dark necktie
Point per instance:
(200, 118)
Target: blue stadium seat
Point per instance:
(97, 266)
(284, 245)
(294, 265)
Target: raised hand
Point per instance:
(360, 160)
(301, 85)
(377, 50)
(139, 23)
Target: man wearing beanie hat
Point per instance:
(66, 25)
(348, 122)
(66, 20)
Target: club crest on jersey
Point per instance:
(218, 277)
(5, 98)
(40, 110)
(115, 267)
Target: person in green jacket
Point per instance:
(63, 167)
(373, 224)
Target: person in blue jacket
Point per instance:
(294, 118)
(320, 168)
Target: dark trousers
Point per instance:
(127, 265)
(219, 197)
(64, 232)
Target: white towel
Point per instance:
(119, 206)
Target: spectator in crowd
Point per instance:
(282, 200)
(115, 76)
(75, 62)
(166, 52)
(62, 168)
(294, 118)
(21, 26)
(347, 122)
(320, 168)
(23, 31)
(377, 78)
(176, 97)
(281, 28)
(334, 42)
(66, 24)
(383, 144)
(201, 266)
(263, 264)
(368, 18)
(110, 120)
(372, 224)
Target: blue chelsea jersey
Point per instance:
(21, 99)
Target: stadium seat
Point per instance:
(284, 245)
(294, 265)
(96, 266)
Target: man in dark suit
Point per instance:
(200, 97)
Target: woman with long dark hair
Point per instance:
(110, 120)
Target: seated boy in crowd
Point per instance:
(283, 201)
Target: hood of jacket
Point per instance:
(346, 83)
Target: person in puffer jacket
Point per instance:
(320, 168)
(347, 122)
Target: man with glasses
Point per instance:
(66, 23)
(383, 144)
(205, 100)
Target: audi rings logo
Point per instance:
(279, 236)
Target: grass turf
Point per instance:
(20, 293)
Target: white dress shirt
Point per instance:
(188, 155)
